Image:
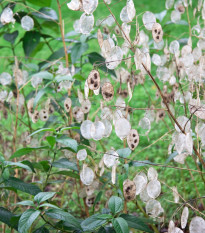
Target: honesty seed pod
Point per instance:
(129, 190)
(94, 80)
(67, 104)
(43, 115)
(133, 139)
(107, 91)
(157, 32)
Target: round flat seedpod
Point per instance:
(114, 58)
(78, 114)
(156, 59)
(82, 154)
(75, 5)
(90, 200)
(175, 16)
(35, 116)
(171, 227)
(129, 190)
(157, 32)
(153, 208)
(122, 128)
(5, 79)
(140, 183)
(43, 115)
(174, 47)
(67, 104)
(87, 175)
(85, 129)
(85, 106)
(133, 139)
(86, 23)
(110, 158)
(108, 128)
(144, 196)
(148, 20)
(27, 23)
(154, 188)
(94, 80)
(89, 6)
(107, 91)
(152, 174)
(97, 130)
(197, 225)
(184, 122)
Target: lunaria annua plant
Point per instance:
(87, 148)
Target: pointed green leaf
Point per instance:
(120, 225)
(115, 204)
(43, 196)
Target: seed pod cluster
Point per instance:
(133, 139)
(129, 190)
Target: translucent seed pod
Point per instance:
(43, 115)
(148, 20)
(75, 5)
(174, 47)
(85, 106)
(175, 16)
(67, 104)
(156, 59)
(152, 174)
(169, 4)
(94, 80)
(140, 183)
(114, 58)
(85, 129)
(86, 23)
(184, 217)
(197, 225)
(107, 91)
(175, 194)
(153, 208)
(78, 114)
(157, 32)
(5, 79)
(108, 128)
(89, 6)
(82, 154)
(87, 175)
(122, 128)
(110, 158)
(7, 16)
(144, 195)
(97, 130)
(145, 124)
(129, 190)
(184, 123)
(154, 188)
(171, 227)
(27, 23)
(133, 139)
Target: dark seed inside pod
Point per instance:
(135, 141)
(158, 32)
(95, 85)
(132, 146)
(96, 76)
(134, 135)
(155, 30)
(157, 37)
(91, 81)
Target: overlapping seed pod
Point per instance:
(157, 32)
(87, 175)
(110, 158)
(133, 139)
(129, 190)
(107, 91)
(43, 115)
(94, 80)
(82, 154)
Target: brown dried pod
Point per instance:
(157, 32)
(67, 104)
(90, 200)
(129, 190)
(35, 116)
(107, 91)
(133, 139)
(100, 38)
(43, 115)
(160, 115)
(94, 80)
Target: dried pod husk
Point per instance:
(133, 139)
(85, 106)
(35, 116)
(30, 107)
(100, 38)
(107, 91)
(184, 217)
(129, 190)
(90, 201)
(94, 80)
(67, 104)
(157, 32)
(43, 115)
(78, 114)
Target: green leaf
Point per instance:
(30, 41)
(171, 156)
(69, 128)
(43, 196)
(65, 163)
(78, 77)
(97, 199)
(48, 205)
(11, 37)
(77, 51)
(60, 78)
(43, 75)
(42, 130)
(40, 94)
(24, 187)
(124, 152)
(64, 216)
(68, 173)
(137, 222)
(120, 225)
(27, 219)
(17, 164)
(41, 230)
(27, 202)
(92, 223)
(40, 2)
(51, 140)
(5, 217)
(115, 204)
(99, 61)
(69, 142)
(47, 14)
(25, 151)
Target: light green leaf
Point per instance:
(69, 142)
(65, 163)
(42, 130)
(27, 202)
(27, 219)
(93, 222)
(43, 196)
(48, 205)
(25, 151)
(115, 204)
(120, 225)
(17, 164)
